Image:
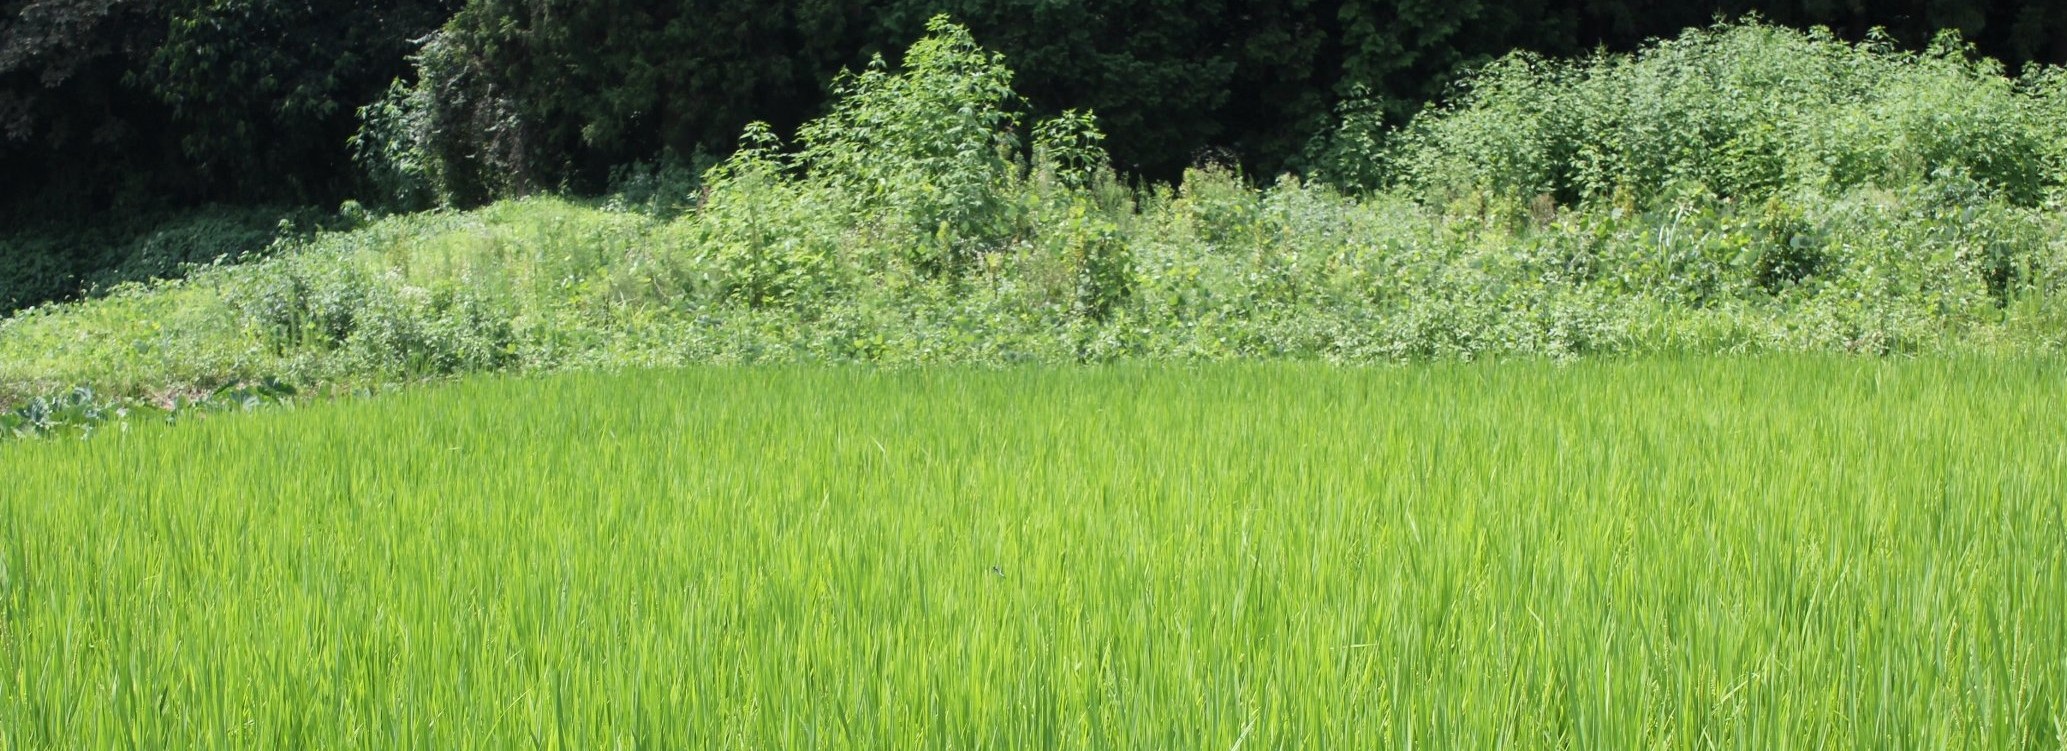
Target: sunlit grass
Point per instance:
(1708, 553)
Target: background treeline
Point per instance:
(132, 103)
(117, 116)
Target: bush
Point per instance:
(935, 145)
(764, 239)
(1743, 111)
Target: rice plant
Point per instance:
(1755, 553)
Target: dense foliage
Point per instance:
(111, 103)
(112, 111)
(140, 135)
(539, 93)
(914, 224)
(129, 104)
(1747, 112)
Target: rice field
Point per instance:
(1751, 553)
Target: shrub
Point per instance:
(934, 146)
(765, 239)
(1745, 111)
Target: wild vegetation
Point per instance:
(130, 113)
(1666, 554)
(1808, 195)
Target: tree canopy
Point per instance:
(122, 103)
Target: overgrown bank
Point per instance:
(916, 224)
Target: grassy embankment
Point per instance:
(1741, 189)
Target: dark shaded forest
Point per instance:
(148, 103)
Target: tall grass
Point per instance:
(1672, 554)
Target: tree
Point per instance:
(126, 103)
(64, 99)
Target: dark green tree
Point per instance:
(533, 94)
(65, 101)
(127, 103)
(262, 93)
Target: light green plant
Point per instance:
(1737, 552)
(1744, 110)
(933, 146)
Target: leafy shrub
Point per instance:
(392, 149)
(453, 137)
(304, 302)
(1745, 111)
(1070, 149)
(39, 270)
(452, 327)
(196, 239)
(665, 187)
(1223, 212)
(934, 145)
(762, 237)
(1083, 266)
